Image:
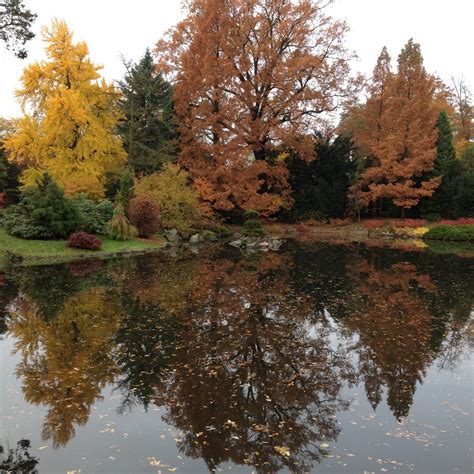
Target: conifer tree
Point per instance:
(320, 186)
(401, 142)
(148, 130)
(465, 195)
(69, 121)
(442, 202)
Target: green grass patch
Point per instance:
(57, 249)
(455, 233)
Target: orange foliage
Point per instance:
(250, 76)
(397, 130)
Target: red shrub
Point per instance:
(408, 222)
(144, 215)
(460, 221)
(340, 222)
(83, 240)
(2, 200)
(374, 223)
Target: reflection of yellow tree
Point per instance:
(252, 382)
(66, 362)
(394, 327)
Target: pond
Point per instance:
(318, 358)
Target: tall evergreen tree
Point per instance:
(464, 203)
(446, 165)
(320, 186)
(149, 130)
(9, 178)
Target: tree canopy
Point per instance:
(15, 26)
(69, 117)
(248, 76)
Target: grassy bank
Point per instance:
(57, 250)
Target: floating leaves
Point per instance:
(282, 451)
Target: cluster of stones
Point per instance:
(238, 240)
(256, 243)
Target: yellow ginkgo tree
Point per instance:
(70, 114)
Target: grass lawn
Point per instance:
(57, 249)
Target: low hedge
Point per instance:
(458, 233)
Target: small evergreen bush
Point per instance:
(253, 228)
(221, 232)
(250, 214)
(93, 216)
(119, 228)
(83, 240)
(44, 212)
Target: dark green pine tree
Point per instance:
(320, 187)
(9, 179)
(53, 210)
(465, 195)
(149, 128)
(442, 202)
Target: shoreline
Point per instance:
(30, 253)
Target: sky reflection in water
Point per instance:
(318, 358)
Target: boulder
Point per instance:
(209, 236)
(239, 243)
(172, 235)
(196, 239)
(275, 244)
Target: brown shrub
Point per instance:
(144, 214)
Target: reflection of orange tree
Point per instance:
(251, 382)
(67, 361)
(393, 322)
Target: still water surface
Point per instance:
(318, 358)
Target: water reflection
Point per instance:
(248, 357)
(19, 459)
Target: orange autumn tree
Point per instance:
(397, 130)
(249, 76)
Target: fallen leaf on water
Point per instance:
(282, 450)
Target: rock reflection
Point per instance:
(247, 356)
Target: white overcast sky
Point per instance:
(115, 27)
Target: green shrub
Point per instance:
(18, 222)
(459, 233)
(119, 228)
(127, 189)
(250, 214)
(253, 228)
(432, 217)
(93, 216)
(44, 212)
(221, 232)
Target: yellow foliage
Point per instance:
(69, 118)
(169, 188)
(410, 232)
